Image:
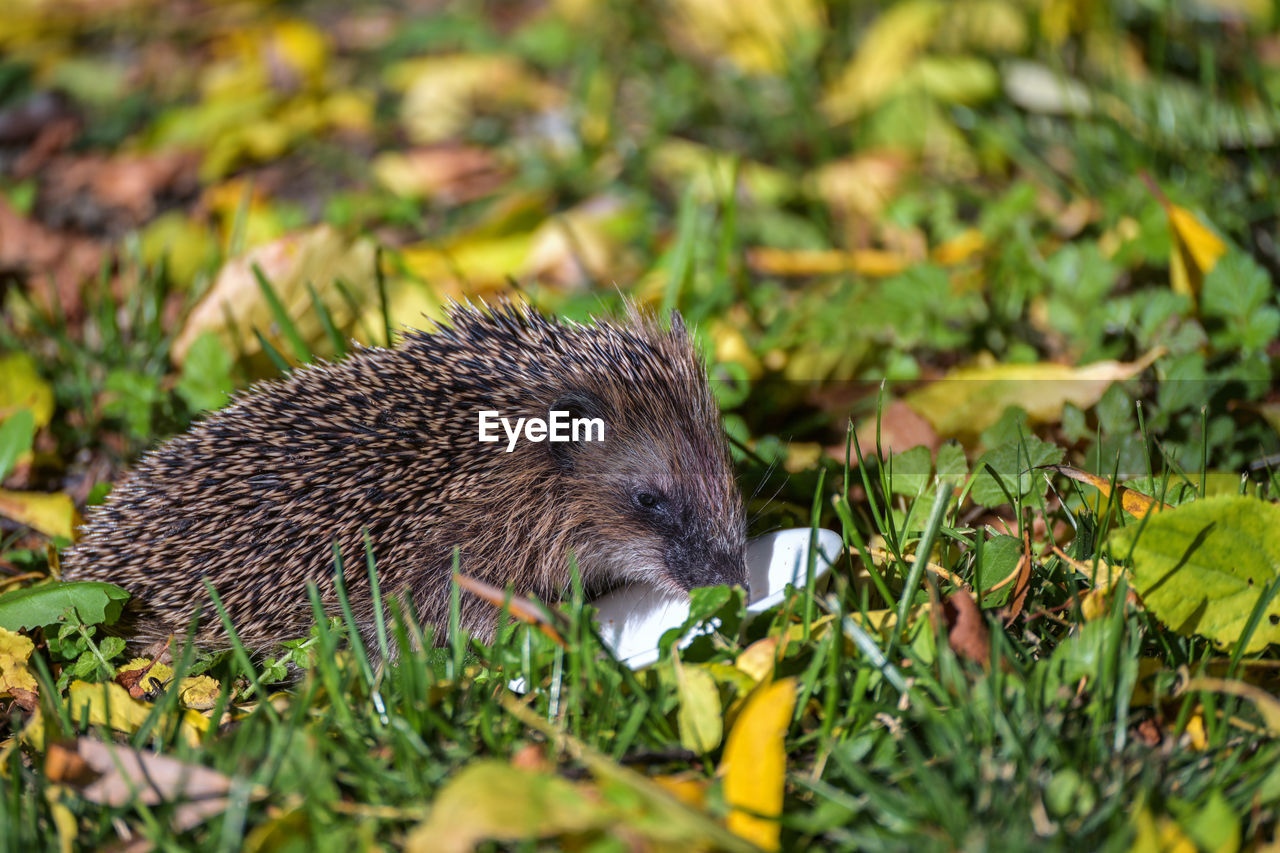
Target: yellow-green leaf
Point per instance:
(1201, 567)
(755, 764)
(22, 388)
(970, 399)
(492, 800)
(701, 726)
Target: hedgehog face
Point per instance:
(665, 506)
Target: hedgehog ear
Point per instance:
(581, 405)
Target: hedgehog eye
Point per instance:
(648, 500)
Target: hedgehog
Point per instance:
(257, 497)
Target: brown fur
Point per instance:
(254, 497)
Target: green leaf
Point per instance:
(94, 603)
(491, 800)
(951, 463)
(1202, 567)
(22, 388)
(909, 471)
(701, 725)
(17, 432)
(1013, 462)
(206, 374)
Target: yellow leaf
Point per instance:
(888, 49)
(109, 704)
(960, 248)
(301, 47)
(809, 262)
(199, 692)
(1134, 503)
(1196, 734)
(52, 515)
(701, 726)
(760, 37)
(1196, 250)
(970, 399)
(755, 764)
(756, 660)
(22, 388)
(441, 93)
(15, 650)
(731, 346)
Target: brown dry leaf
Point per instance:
(119, 192)
(56, 263)
(141, 676)
(809, 262)
(970, 399)
(1134, 503)
(967, 632)
(860, 186)
(1018, 597)
(130, 775)
(448, 174)
(519, 607)
(900, 430)
(319, 256)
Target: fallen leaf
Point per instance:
(967, 631)
(900, 428)
(447, 174)
(699, 715)
(1132, 502)
(15, 651)
(52, 515)
(810, 262)
(970, 399)
(887, 51)
(1196, 249)
(110, 705)
(319, 257)
(492, 800)
(755, 763)
(56, 263)
(757, 659)
(21, 387)
(129, 775)
(442, 93)
(1202, 566)
(763, 37)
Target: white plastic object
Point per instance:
(633, 618)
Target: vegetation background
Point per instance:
(988, 286)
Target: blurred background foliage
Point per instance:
(836, 193)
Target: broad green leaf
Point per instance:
(93, 601)
(755, 764)
(492, 800)
(1202, 566)
(17, 432)
(701, 725)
